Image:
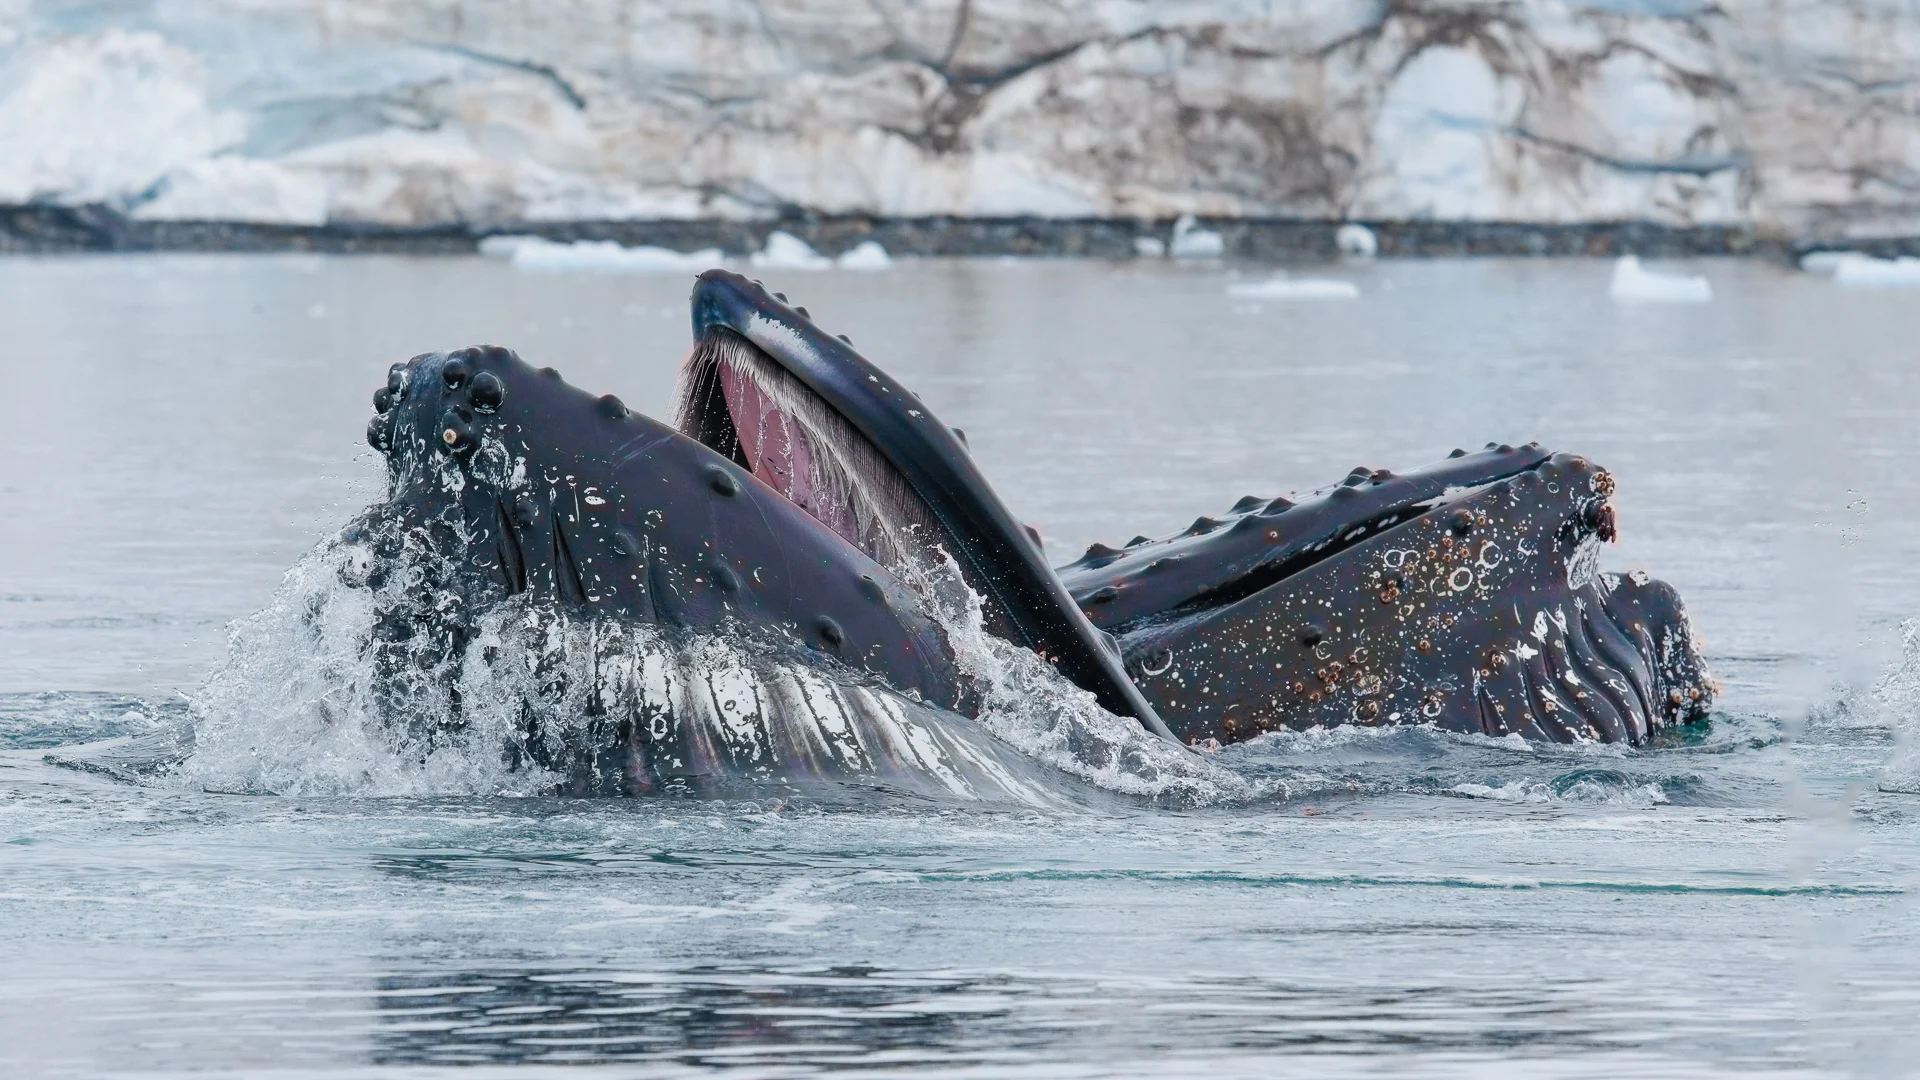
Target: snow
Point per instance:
(1190, 241)
(1866, 272)
(1432, 133)
(105, 117)
(1356, 241)
(866, 255)
(1290, 288)
(1633, 285)
(238, 189)
(539, 255)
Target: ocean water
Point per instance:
(180, 430)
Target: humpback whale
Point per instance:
(811, 513)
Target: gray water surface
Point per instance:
(180, 429)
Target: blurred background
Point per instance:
(1774, 123)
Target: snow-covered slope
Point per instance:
(1801, 117)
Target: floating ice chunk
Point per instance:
(1826, 262)
(1858, 270)
(1632, 285)
(1866, 272)
(1286, 288)
(785, 251)
(539, 255)
(1356, 240)
(866, 255)
(1150, 246)
(1190, 241)
(503, 247)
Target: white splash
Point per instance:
(304, 705)
(293, 708)
(1634, 285)
(1031, 706)
(1896, 697)
(1584, 791)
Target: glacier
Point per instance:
(1793, 118)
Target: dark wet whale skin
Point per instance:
(528, 485)
(996, 556)
(1284, 615)
(1464, 594)
(1375, 601)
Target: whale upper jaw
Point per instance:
(886, 473)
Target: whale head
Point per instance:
(770, 391)
(505, 481)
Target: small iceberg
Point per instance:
(866, 255)
(1290, 288)
(503, 247)
(1867, 272)
(540, 255)
(1356, 241)
(785, 251)
(1859, 270)
(1826, 262)
(1190, 241)
(1632, 285)
(1150, 246)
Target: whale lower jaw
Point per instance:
(616, 707)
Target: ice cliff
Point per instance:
(1798, 117)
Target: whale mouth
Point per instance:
(743, 404)
(916, 501)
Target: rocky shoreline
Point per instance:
(47, 229)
